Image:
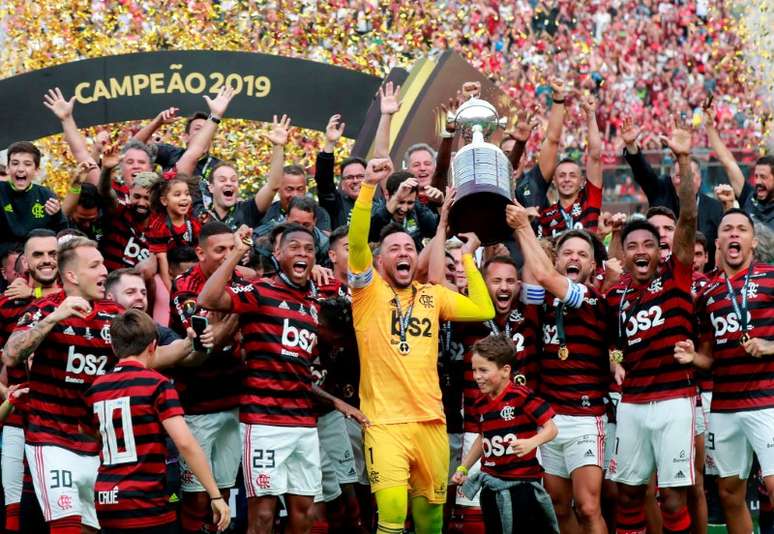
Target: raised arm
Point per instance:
(550, 148)
(435, 251)
(360, 258)
(63, 109)
(642, 172)
(523, 126)
(536, 261)
(389, 104)
(323, 169)
(477, 306)
(685, 233)
(70, 201)
(734, 173)
(201, 141)
(446, 129)
(594, 156)
(166, 116)
(213, 295)
(110, 159)
(278, 135)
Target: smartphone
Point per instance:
(198, 324)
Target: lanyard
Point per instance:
(496, 331)
(187, 236)
(446, 330)
(741, 313)
(561, 336)
(404, 320)
(568, 221)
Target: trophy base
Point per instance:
(483, 213)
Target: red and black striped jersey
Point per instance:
(124, 243)
(578, 384)
(128, 406)
(740, 381)
(163, 236)
(522, 325)
(583, 214)
(212, 386)
(279, 336)
(516, 413)
(74, 353)
(10, 312)
(649, 319)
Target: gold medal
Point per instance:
(564, 352)
(520, 379)
(403, 347)
(616, 356)
(744, 339)
(248, 241)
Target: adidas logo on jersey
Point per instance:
(283, 306)
(589, 454)
(69, 331)
(516, 316)
(680, 474)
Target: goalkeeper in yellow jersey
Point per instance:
(396, 322)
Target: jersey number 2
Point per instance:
(112, 454)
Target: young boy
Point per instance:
(134, 407)
(513, 423)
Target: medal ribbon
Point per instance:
(622, 317)
(561, 336)
(496, 331)
(741, 313)
(404, 320)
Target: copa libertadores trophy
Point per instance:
(481, 173)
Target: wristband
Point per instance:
(218, 498)
(37, 292)
(462, 469)
(213, 118)
(75, 189)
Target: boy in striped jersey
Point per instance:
(134, 406)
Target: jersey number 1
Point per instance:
(111, 453)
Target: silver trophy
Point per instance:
(481, 173)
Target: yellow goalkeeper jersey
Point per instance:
(398, 386)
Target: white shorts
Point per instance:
(701, 419)
(332, 431)
(655, 436)
(218, 436)
(331, 489)
(580, 442)
(734, 437)
(278, 460)
(467, 442)
(64, 482)
(709, 462)
(610, 429)
(355, 432)
(12, 463)
(455, 452)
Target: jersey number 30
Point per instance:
(112, 452)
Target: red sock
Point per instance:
(630, 520)
(678, 522)
(12, 516)
(67, 525)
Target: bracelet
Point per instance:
(462, 469)
(218, 498)
(559, 101)
(213, 118)
(75, 189)
(37, 292)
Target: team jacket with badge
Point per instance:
(584, 213)
(128, 406)
(163, 236)
(212, 386)
(124, 244)
(10, 312)
(395, 387)
(279, 336)
(523, 325)
(579, 384)
(741, 382)
(516, 413)
(657, 315)
(337, 369)
(23, 211)
(74, 353)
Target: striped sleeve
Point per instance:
(575, 294)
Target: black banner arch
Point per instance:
(137, 86)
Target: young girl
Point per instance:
(513, 423)
(171, 222)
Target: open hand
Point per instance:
(55, 101)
